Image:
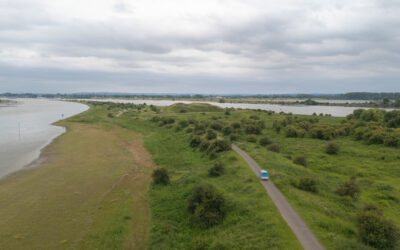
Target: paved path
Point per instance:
(300, 229)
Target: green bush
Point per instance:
(211, 135)
(216, 126)
(227, 130)
(204, 145)
(236, 125)
(264, 141)
(160, 176)
(349, 188)
(195, 141)
(206, 205)
(233, 137)
(307, 183)
(332, 148)
(375, 230)
(252, 138)
(219, 146)
(274, 148)
(216, 170)
(300, 160)
(291, 131)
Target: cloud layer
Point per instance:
(200, 46)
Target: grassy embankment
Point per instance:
(330, 216)
(90, 192)
(252, 221)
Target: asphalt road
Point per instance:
(300, 229)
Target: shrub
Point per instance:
(227, 130)
(189, 130)
(308, 183)
(233, 137)
(206, 205)
(235, 125)
(332, 148)
(216, 126)
(294, 132)
(254, 117)
(349, 188)
(204, 145)
(183, 124)
(274, 148)
(323, 132)
(391, 140)
(300, 160)
(264, 141)
(160, 176)
(251, 138)
(195, 141)
(219, 146)
(216, 170)
(375, 230)
(253, 129)
(211, 135)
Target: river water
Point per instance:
(337, 111)
(25, 128)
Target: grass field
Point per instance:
(89, 192)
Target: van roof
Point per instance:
(263, 171)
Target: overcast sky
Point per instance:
(208, 46)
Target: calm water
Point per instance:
(295, 109)
(25, 128)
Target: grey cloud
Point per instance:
(285, 48)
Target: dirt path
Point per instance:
(302, 232)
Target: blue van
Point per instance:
(264, 175)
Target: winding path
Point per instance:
(300, 229)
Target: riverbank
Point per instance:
(27, 127)
(88, 191)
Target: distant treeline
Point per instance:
(346, 96)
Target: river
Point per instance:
(25, 128)
(337, 111)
